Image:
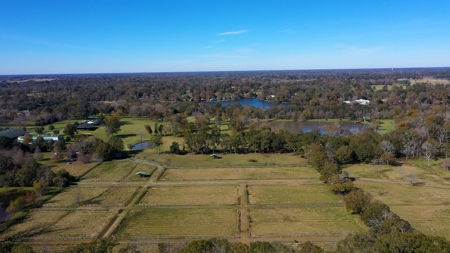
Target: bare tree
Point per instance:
(428, 149)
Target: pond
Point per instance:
(244, 102)
(141, 145)
(309, 126)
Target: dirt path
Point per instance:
(243, 207)
(109, 231)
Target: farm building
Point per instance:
(367, 118)
(12, 133)
(216, 156)
(54, 138)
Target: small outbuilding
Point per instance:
(216, 156)
(367, 118)
(142, 174)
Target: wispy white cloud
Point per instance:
(219, 41)
(208, 47)
(233, 32)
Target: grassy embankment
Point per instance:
(425, 204)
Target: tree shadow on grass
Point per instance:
(125, 122)
(125, 135)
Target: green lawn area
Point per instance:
(308, 221)
(426, 208)
(179, 223)
(433, 175)
(111, 171)
(186, 174)
(191, 195)
(292, 194)
(253, 159)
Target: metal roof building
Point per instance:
(12, 133)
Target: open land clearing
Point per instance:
(75, 169)
(186, 174)
(282, 202)
(426, 205)
(229, 198)
(57, 225)
(179, 223)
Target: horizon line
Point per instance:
(215, 71)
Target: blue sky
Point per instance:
(108, 36)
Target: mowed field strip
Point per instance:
(176, 223)
(102, 196)
(191, 195)
(118, 171)
(75, 169)
(426, 208)
(306, 221)
(54, 224)
(239, 173)
(287, 194)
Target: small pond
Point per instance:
(309, 126)
(141, 145)
(244, 102)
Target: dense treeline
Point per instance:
(305, 94)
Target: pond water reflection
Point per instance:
(309, 126)
(244, 102)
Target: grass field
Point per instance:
(111, 170)
(34, 224)
(140, 167)
(191, 195)
(428, 219)
(80, 223)
(114, 196)
(426, 208)
(429, 175)
(308, 221)
(431, 80)
(240, 173)
(179, 223)
(227, 160)
(395, 194)
(75, 169)
(68, 196)
(291, 194)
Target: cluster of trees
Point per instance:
(195, 246)
(305, 94)
(388, 232)
(21, 169)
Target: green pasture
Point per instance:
(418, 168)
(307, 221)
(430, 80)
(428, 219)
(187, 174)
(191, 195)
(292, 194)
(109, 196)
(404, 194)
(75, 169)
(426, 208)
(252, 159)
(111, 170)
(178, 223)
(34, 224)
